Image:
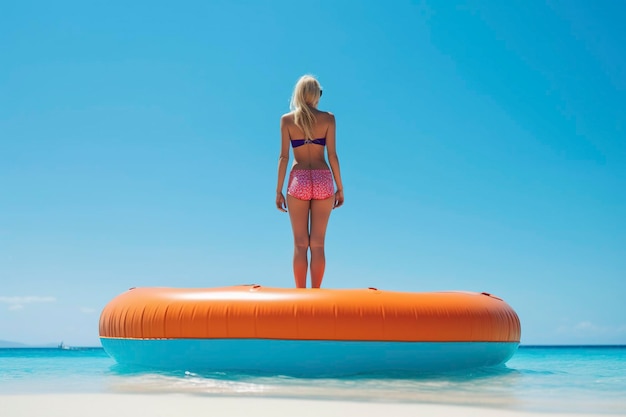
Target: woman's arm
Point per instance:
(333, 160)
(283, 160)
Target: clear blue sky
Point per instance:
(482, 147)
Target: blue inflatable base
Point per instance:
(306, 357)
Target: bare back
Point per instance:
(310, 155)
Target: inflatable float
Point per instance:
(315, 332)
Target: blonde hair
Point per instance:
(306, 93)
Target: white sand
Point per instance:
(179, 405)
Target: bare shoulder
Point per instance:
(287, 119)
(326, 116)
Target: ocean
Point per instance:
(575, 379)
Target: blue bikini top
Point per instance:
(299, 142)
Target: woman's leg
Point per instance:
(320, 213)
(299, 215)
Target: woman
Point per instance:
(311, 193)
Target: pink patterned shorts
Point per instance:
(313, 184)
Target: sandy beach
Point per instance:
(170, 405)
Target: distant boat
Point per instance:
(63, 346)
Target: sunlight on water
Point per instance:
(450, 388)
(574, 379)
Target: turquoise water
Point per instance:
(569, 379)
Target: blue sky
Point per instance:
(481, 144)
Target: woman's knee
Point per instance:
(316, 243)
(302, 243)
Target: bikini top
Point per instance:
(299, 142)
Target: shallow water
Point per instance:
(564, 378)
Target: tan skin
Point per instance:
(309, 219)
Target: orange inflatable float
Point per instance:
(308, 331)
